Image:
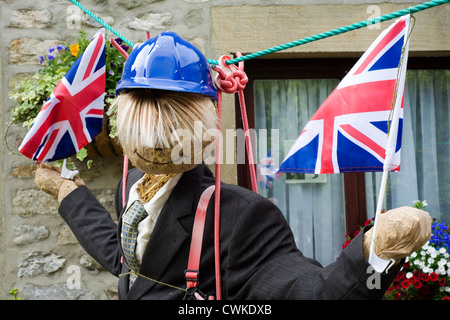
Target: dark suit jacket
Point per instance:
(259, 258)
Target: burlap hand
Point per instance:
(49, 180)
(400, 232)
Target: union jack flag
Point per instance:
(349, 132)
(266, 171)
(73, 114)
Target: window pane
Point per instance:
(312, 204)
(425, 166)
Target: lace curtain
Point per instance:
(425, 159)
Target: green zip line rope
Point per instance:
(354, 26)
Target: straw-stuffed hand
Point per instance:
(399, 233)
(49, 180)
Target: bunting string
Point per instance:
(323, 35)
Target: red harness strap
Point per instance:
(192, 271)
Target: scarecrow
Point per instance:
(163, 246)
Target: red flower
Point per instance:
(346, 243)
(368, 222)
(397, 296)
(442, 282)
(401, 275)
(405, 284)
(425, 277)
(446, 298)
(417, 284)
(434, 276)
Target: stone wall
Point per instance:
(39, 256)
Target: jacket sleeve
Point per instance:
(278, 270)
(93, 227)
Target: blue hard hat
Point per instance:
(167, 62)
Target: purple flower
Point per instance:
(119, 41)
(51, 57)
(60, 47)
(51, 49)
(41, 59)
(111, 72)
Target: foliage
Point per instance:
(426, 272)
(13, 292)
(349, 237)
(31, 93)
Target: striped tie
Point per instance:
(131, 218)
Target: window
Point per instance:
(425, 164)
(282, 95)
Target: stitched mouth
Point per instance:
(156, 162)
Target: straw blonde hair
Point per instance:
(151, 118)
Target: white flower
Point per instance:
(409, 275)
(430, 260)
(414, 254)
(442, 262)
(442, 250)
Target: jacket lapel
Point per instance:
(168, 234)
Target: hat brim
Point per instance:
(166, 84)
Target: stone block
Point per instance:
(55, 292)
(151, 21)
(23, 171)
(27, 50)
(26, 234)
(66, 236)
(136, 3)
(29, 18)
(31, 202)
(89, 263)
(40, 263)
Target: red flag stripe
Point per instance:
(356, 134)
(397, 28)
(98, 47)
(48, 145)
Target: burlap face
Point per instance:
(179, 158)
